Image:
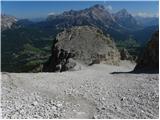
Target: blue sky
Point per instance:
(33, 9)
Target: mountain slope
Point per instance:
(126, 20)
(91, 93)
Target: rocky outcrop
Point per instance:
(58, 61)
(82, 44)
(149, 60)
(125, 55)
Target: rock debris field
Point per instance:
(93, 92)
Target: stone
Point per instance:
(35, 103)
(125, 55)
(54, 108)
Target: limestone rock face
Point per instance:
(149, 60)
(84, 44)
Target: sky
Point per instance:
(37, 9)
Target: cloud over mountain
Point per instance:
(146, 14)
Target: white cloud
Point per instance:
(51, 13)
(146, 14)
(108, 7)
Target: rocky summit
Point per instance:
(7, 21)
(81, 44)
(149, 60)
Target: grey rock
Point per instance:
(85, 44)
(125, 55)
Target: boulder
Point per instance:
(84, 44)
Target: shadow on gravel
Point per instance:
(138, 72)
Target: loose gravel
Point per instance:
(89, 93)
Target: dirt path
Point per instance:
(90, 93)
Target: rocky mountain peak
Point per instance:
(98, 6)
(123, 12)
(7, 21)
(124, 18)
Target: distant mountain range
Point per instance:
(119, 25)
(16, 33)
